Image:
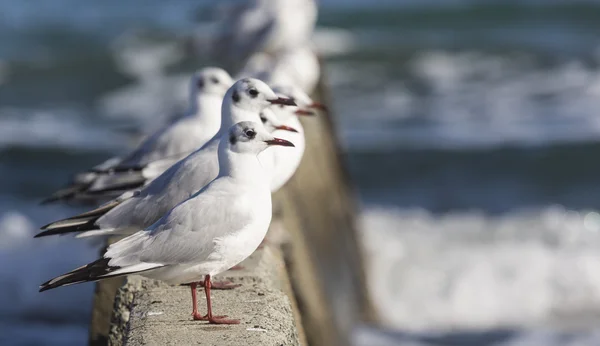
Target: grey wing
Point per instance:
(190, 231)
(140, 154)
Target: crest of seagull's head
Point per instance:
(211, 80)
(252, 137)
(254, 95)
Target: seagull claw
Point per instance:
(198, 317)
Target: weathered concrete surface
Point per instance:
(148, 312)
(104, 297)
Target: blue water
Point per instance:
(471, 129)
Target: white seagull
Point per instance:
(139, 209)
(212, 231)
(169, 144)
(298, 66)
(286, 163)
(266, 26)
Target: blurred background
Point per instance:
(472, 130)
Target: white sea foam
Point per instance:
(26, 262)
(150, 101)
(469, 99)
(60, 128)
(364, 336)
(465, 270)
(143, 59)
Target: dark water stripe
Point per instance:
(495, 181)
(583, 15)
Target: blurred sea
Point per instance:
(472, 130)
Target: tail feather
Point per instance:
(95, 271)
(80, 223)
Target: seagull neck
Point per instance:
(242, 167)
(231, 115)
(202, 102)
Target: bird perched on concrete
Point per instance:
(210, 232)
(285, 163)
(168, 145)
(139, 209)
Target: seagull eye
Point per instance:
(253, 92)
(215, 80)
(200, 84)
(235, 97)
(263, 119)
(250, 133)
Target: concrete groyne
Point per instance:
(306, 287)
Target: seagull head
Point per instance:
(254, 95)
(211, 80)
(272, 123)
(252, 137)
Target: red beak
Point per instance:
(283, 101)
(279, 141)
(286, 128)
(304, 112)
(319, 105)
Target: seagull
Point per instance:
(139, 209)
(208, 233)
(169, 144)
(266, 26)
(286, 163)
(298, 66)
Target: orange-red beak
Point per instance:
(283, 101)
(281, 142)
(304, 112)
(286, 128)
(319, 105)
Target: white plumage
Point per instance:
(210, 232)
(169, 144)
(139, 209)
(267, 26)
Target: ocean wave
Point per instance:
(59, 128)
(26, 262)
(466, 270)
(443, 99)
(368, 336)
(150, 101)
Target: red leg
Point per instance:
(214, 319)
(195, 314)
(235, 267)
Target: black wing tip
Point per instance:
(66, 194)
(82, 227)
(49, 200)
(90, 272)
(41, 234)
(45, 286)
